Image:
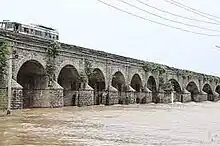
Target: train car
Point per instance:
(30, 29)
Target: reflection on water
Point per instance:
(190, 124)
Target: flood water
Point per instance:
(188, 124)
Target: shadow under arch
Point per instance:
(69, 79)
(177, 88)
(33, 78)
(118, 82)
(136, 84)
(207, 89)
(151, 85)
(193, 89)
(97, 82)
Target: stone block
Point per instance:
(165, 97)
(131, 97)
(70, 97)
(202, 96)
(216, 96)
(3, 98)
(43, 98)
(112, 98)
(17, 99)
(143, 97)
(177, 97)
(85, 98)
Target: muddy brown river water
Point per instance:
(188, 124)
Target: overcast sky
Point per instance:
(91, 24)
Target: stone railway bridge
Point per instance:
(83, 77)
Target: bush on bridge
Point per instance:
(4, 52)
(52, 53)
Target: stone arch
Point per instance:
(97, 82)
(118, 81)
(177, 89)
(152, 86)
(207, 89)
(136, 83)
(176, 85)
(69, 79)
(32, 77)
(102, 68)
(193, 89)
(217, 89)
(155, 78)
(114, 70)
(64, 63)
(29, 56)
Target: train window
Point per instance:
(39, 33)
(9, 25)
(26, 30)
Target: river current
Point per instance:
(188, 124)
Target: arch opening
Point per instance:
(136, 84)
(32, 77)
(69, 79)
(193, 89)
(118, 81)
(97, 82)
(217, 89)
(176, 87)
(151, 85)
(206, 88)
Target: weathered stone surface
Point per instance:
(202, 96)
(131, 97)
(85, 98)
(112, 98)
(165, 97)
(3, 98)
(31, 49)
(17, 100)
(216, 96)
(70, 97)
(144, 97)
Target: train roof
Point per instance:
(33, 25)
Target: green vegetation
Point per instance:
(3, 56)
(88, 68)
(154, 68)
(185, 74)
(52, 52)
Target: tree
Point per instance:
(3, 56)
(52, 53)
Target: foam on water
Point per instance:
(177, 124)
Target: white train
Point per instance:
(30, 29)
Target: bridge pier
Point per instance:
(202, 96)
(112, 96)
(85, 96)
(216, 96)
(17, 95)
(70, 97)
(164, 96)
(143, 97)
(51, 96)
